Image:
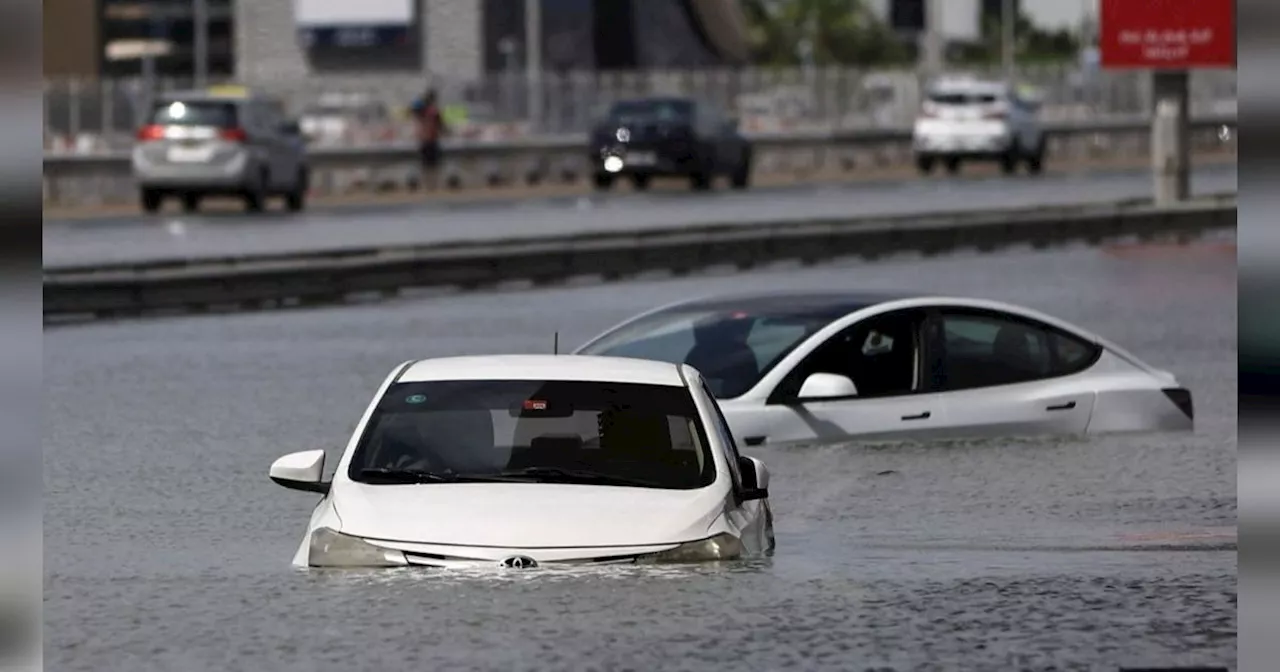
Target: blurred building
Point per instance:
(71, 41)
(959, 21)
(464, 39)
(110, 38)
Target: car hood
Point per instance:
(526, 515)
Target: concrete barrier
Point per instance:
(105, 179)
(247, 283)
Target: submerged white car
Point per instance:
(814, 367)
(525, 460)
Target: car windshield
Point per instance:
(651, 111)
(535, 431)
(956, 97)
(194, 113)
(731, 349)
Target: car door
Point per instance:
(883, 355)
(1004, 375)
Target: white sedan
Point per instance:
(527, 460)
(815, 367)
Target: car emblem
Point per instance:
(520, 562)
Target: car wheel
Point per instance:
(924, 164)
(603, 181)
(191, 202)
(255, 195)
(640, 182)
(953, 166)
(296, 199)
(700, 181)
(151, 200)
(1009, 161)
(1035, 162)
(741, 177)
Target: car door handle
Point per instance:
(1062, 407)
(922, 416)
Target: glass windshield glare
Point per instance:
(646, 435)
(194, 113)
(731, 349)
(651, 111)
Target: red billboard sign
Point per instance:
(1168, 34)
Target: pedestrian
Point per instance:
(431, 127)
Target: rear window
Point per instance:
(650, 433)
(962, 98)
(640, 111)
(199, 113)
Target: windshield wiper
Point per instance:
(406, 475)
(423, 476)
(578, 476)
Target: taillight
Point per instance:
(233, 134)
(150, 132)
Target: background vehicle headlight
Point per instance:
(331, 549)
(720, 547)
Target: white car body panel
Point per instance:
(468, 524)
(1117, 393)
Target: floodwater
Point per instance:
(167, 548)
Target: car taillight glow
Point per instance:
(151, 132)
(233, 134)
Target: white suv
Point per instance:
(966, 119)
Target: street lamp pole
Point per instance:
(533, 58)
(200, 43)
(1007, 38)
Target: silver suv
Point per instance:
(201, 143)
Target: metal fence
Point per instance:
(89, 117)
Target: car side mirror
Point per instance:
(301, 471)
(755, 478)
(826, 386)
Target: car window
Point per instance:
(981, 350)
(959, 98)
(217, 114)
(651, 433)
(652, 111)
(880, 354)
(732, 350)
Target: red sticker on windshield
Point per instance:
(535, 405)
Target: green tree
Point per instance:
(823, 32)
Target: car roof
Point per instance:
(545, 367)
(216, 95)
(656, 100)
(816, 303)
(966, 85)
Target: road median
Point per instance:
(315, 278)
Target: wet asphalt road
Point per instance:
(168, 236)
(166, 547)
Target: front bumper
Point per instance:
(332, 549)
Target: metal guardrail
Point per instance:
(334, 276)
(576, 142)
(104, 178)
